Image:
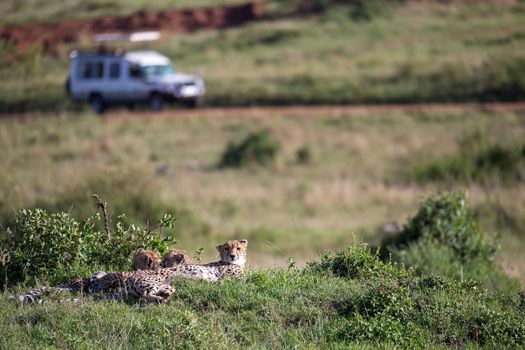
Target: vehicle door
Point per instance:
(90, 74)
(137, 89)
(114, 88)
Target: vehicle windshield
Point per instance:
(157, 70)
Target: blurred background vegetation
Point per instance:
(306, 52)
(365, 173)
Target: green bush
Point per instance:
(258, 148)
(304, 155)
(355, 262)
(446, 220)
(53, 246)
(443, 238)
(478, 160)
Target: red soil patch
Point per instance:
(49, 35)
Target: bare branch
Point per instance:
(104, 207)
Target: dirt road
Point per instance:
(308, 111)
(294, 111)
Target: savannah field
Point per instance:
(361, 176)
(380, 227)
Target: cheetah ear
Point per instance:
(244, 242)
(219, 247)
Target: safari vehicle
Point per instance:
(104, 77)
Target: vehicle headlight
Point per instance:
(190, 89)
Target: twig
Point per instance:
(104, 207)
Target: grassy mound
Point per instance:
(369, 304)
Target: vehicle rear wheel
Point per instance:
(97, 104)
(156, 102)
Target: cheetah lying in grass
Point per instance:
(152, 285)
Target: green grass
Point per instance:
(284, 309)
(417, 52)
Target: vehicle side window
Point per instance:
(114, 70)
(84, 70)
(135, 72)
(99, 70)
(91, 70)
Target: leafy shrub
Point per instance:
(54, 246)
(355, 262)
(446, 220)
(477, 160)
(257, 148)
(304, 155)
(443, 238)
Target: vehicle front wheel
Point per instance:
(156, 102)
(195, 102)
(97, 104)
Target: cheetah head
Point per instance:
(234, 251)
(175, 257)
(146, 260)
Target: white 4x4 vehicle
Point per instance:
(128, 78)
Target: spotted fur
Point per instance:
(175, 257)
(146, 260)
(77, 285)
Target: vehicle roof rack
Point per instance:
(104, 41)
(128, 37)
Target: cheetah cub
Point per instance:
(175, 257)
(146, 260)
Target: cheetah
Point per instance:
(231, 264)
(152, 285)
(146, 260)
(175, 257)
